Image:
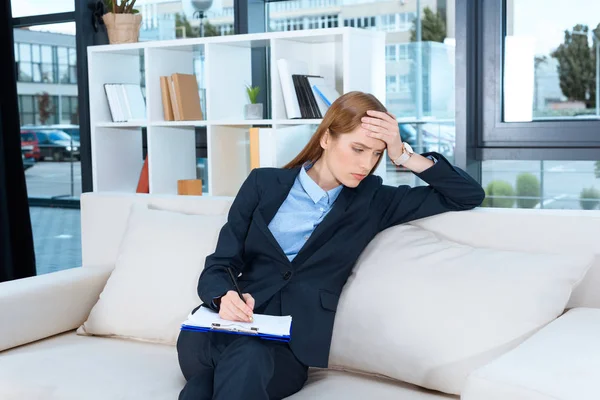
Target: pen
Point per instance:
(237, 288)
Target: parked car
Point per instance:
(30, 145)
(28, 162)
(434, 138)
(54, 144)
(69, 129)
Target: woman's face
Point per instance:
(351, 156)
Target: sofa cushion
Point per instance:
(72, 367)
(426, 310)
(560, 362)
(336, 385)
(153, 286)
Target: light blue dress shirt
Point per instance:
(304, 208)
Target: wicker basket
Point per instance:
(122, 28)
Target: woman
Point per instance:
(294, 234)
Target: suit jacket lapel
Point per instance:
(275, 197)
(322, 232)
(272, 201)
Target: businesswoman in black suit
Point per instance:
(337, 206)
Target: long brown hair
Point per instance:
(343, 116)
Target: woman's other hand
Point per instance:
(232, 308)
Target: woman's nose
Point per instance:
(367, 162)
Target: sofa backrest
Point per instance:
(551, 231)
(104, 218)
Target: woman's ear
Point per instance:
(325, 139)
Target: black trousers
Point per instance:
(225, 366)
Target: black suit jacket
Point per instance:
(308, 288)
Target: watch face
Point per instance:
(408, 148)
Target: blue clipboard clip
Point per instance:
(233, 328)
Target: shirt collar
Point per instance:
(314, 191)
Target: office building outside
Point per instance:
(46, 65)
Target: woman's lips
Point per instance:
(359, 176)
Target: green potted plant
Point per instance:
(253, 110)
(499, 194)
(528, 190)
(122, 21)
(589, 198)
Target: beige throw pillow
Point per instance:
(153, 286)
(428, 311)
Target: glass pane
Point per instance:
(37, 72)
(26, 103)
(72, 56)
(24, 52)
(542, 184)
(26, 119)
(46, 105)
(416, 68)
(46, 54)
(25, 72)
(63, 73)
(181, 19)
(73, 74)
(47, 73)
(63, 55)
(551, 66)
(50, 140)
(36, 53)
(24, 8)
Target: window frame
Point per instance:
(520, 140)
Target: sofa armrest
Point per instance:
(45, 305)
(559, 362)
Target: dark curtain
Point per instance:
(17, 257)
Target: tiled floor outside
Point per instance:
(57, 238)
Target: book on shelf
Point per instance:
(263, 147)
(304, 95)
(143, 185)
(180, 98)
(166, 99)
(126, 102)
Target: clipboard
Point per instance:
(266, 327)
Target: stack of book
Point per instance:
(180, 98)
(304, 95)
(125, 102)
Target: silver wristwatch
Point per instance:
(404, 157)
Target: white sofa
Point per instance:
(42, 357)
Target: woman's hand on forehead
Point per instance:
(383, 126)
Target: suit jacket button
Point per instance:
(287, 275)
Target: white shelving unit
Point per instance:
(349, 58)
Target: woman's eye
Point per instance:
(378, 154)
(357, 150)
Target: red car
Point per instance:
(30, 144)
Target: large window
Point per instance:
(26, 8)
(538, 78)
(419, 73)
(551, 62)
(542, 184)
(50, 140)
(536, 127)
(165, 20)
